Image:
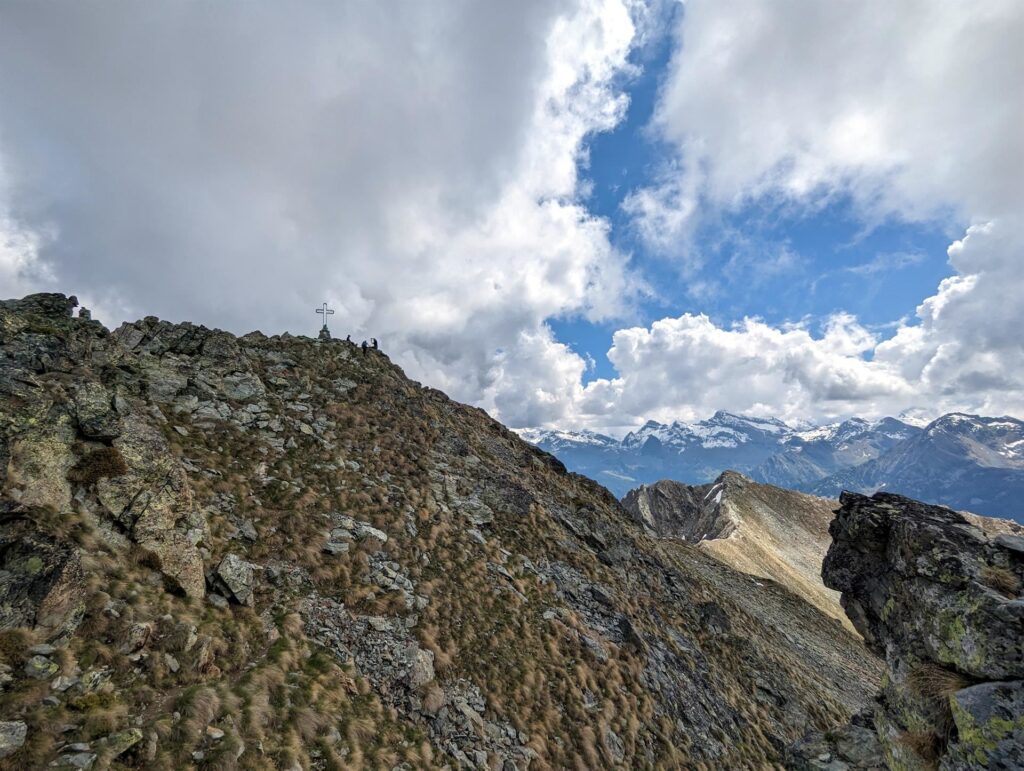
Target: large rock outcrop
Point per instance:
(79, 440)
(939, 594)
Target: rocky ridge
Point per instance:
(941, 597)
(758, 529)
(279, 552)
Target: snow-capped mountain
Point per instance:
(965, 461)
(767, 449)
(816, 453)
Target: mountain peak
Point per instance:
(732, 419)
(759, 529)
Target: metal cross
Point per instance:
(325, 312)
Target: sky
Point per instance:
(572, 213)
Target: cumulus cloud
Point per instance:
(416, 166)
(688, 367)
(913, 111)
(913, 108)
(419, 169)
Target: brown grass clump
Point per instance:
(1004, 581)
(935, 685)
(924, 744)
(104, 462)
(198, 706)
(14, 645)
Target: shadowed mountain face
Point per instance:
(241, 552)
(963, 461)
(758, 529)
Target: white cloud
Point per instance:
(419, 170)
(664, 213)
(886, 262)
(20, 267)
(688, 367)
(914, 110)
(415, 166)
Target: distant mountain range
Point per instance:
(967, 462)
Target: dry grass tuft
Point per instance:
(935, 683)
(1004, 581)
(104, 462)
(923, 744)
(935, 686)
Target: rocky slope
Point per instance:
(221, 552)
(967, 462)
(941, 596)
(758, 529)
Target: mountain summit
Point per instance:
(279, 552)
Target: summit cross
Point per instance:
(325, 312)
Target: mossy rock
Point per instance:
(990, 727)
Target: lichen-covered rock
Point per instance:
(40, 577)
(41, 668)
(922, 576)
(941, 598)
(154, 502)
(421, 666)
(94, 409)
(39, 460)
(852, 747)
(237, 576)
(122, 741)
(989, 727)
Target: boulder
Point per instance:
(37, 470)
(41, 578)
(939, 596)
(421, 665)
(75, 760)
(237, 577)
(12, 736)
(989, 726)
(154, 501)
(122, 741)
(94, 410)
(41, 668)
(919, 575)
